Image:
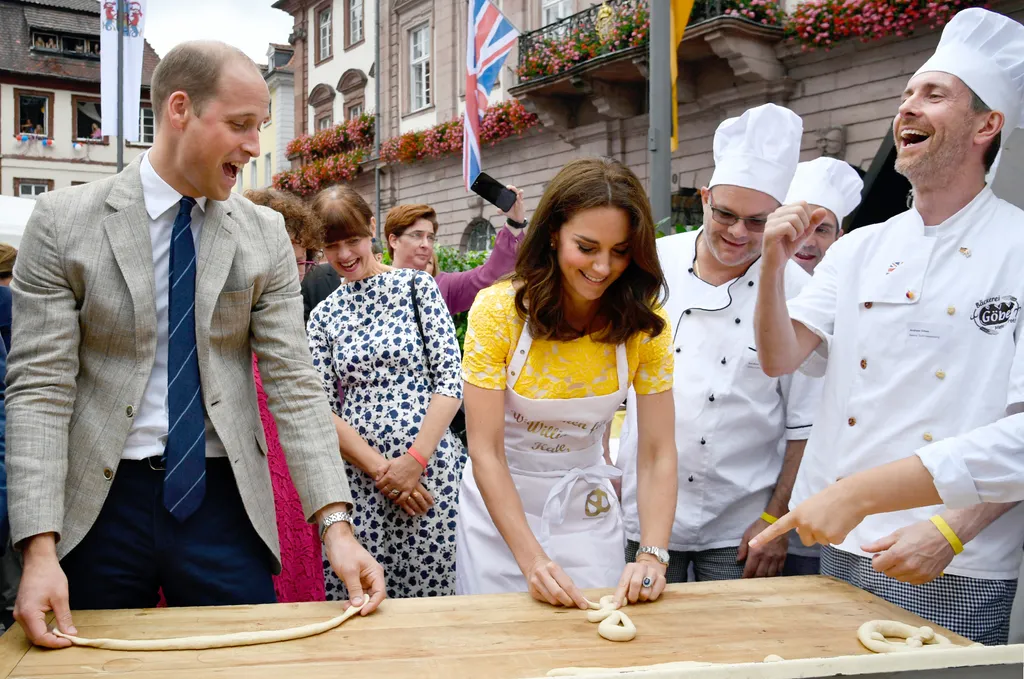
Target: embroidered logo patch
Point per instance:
(993, 314)
(892, 267)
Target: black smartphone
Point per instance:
(488, 188)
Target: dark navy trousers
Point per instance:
(136, 547)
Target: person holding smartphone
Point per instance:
(549, 356)
(411, 231)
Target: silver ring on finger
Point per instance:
(647, 582)
(395, 492)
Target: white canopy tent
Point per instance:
(14, 214)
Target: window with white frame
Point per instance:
(354, 111)
(355, 21)
(252, 174)
(554, 10)
(419, 67)
(324, 27)
(324, 122)
(31, 189)
(147, 125)
(268, 171)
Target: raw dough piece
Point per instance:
(773, 658)
(201, 643)
(617, 627)
(873, 636)
(615, 624)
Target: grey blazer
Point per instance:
(85, 343)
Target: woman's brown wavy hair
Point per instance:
(628, 305)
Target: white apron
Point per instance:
(564, 484)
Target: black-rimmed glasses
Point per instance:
(726, 218)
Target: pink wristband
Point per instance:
(416, 456)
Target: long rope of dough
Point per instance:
(202, 643)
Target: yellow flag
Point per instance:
(680, 17)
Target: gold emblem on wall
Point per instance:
(597, 503)
(603, 22)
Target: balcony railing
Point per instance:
(615, 26)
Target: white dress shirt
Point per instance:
(921, 353)
(148, 434)
(732, 421)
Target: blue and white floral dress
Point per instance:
(380, 374)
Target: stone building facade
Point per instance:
(846, 96)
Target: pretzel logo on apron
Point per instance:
(597, 503)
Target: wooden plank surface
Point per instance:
(506, 636)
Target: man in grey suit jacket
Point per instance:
(136, 455)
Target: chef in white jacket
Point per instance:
(828, 183)
(836, 187)
(914, 323)
(739, 433)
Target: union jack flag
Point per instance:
(488, 41)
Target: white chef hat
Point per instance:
(986, 51)
(758, 150)
(827, 182)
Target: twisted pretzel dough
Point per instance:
(873, 636)
(615, 625)
(202, 643)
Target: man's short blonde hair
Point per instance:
(194, 68)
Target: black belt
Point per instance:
(155, 462)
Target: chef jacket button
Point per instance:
(687, 312)
(927, 436)
(867, 305)
(750, 284)
(513, 373)
(690, 478)
(702, 441)
(711, 398)
(852, 421)
(951, 310)
(723, 361)
(108, 473)
(679, 350)
(940, 374)
(737, 321)
(910, 294)
(690, 269)
(130, 411)
(863, 364)
(522, 351)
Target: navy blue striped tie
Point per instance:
(185, 477)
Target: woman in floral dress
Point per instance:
(385, 347)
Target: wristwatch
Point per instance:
(516, 225)
(334, 518)
(657, 552)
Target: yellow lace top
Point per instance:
(555, 369)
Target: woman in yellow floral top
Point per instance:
(549, 356)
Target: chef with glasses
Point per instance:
(740, 434)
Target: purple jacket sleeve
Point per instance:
(459, 288)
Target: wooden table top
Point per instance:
(508, 636)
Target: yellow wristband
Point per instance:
(768, 517)
(948, 533)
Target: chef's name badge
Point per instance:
(993, 314)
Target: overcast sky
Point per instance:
(247, 24)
